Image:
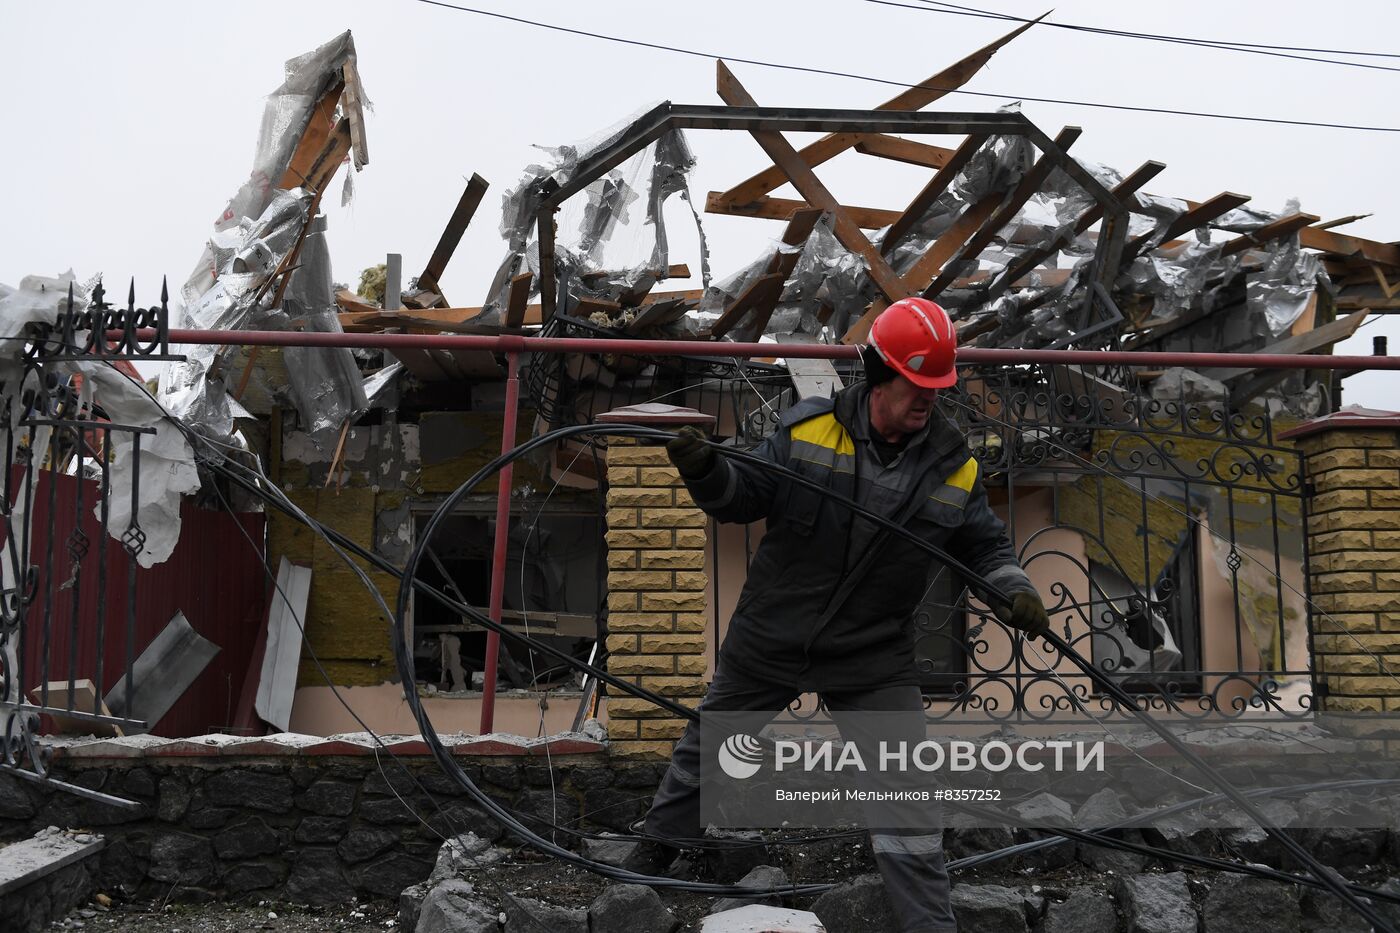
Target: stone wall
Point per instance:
(1353, 466)
(315, 830)
(656, 597)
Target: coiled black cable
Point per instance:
(1326, 877)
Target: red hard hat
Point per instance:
(916, 339)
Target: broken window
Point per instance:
(553, 591)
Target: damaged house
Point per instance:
(1157, 507)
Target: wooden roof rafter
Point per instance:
(828, 147)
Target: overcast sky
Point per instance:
(128, 125)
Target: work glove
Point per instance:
(688, 451)
(1026, 613)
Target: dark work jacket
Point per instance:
(802, 572)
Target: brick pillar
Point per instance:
(1353, 465)
(657, 583)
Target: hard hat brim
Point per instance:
(926, 381)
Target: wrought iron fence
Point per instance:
(745, 397)
(52, 438)
(1166, 536)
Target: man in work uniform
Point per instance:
(829, 599)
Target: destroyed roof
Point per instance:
(1024, 244)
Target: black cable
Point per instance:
(953, 9)
(1326, 877)
(1095, 838)
(858, 77)
(404, 660)
(1222, 43)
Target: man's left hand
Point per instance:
(1026, 613)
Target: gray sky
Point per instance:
(129, 125)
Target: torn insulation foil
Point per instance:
(325, 382)
(1279, 293)
(285, 116)
(618, 228)
(193, 390)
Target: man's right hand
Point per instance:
(690, 453)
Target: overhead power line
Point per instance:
(1099, 105)
(1251, 48)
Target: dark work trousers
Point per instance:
(910, 860)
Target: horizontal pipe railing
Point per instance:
(512, 343)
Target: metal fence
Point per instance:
(1165, 534)
(51, 433)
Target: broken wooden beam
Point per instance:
(313, 139)
(930, 192)
(1022, 267)
(786, 158)
(518, 300)
(899, 149)
(1270, 231)
(770, 208)
(914, 98)
(452, 233)
(1028, 185)
(759, 290)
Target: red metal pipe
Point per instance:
(968, 355)
(498, 553)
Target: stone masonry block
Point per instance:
(691, 622)
(1384, 642)
(1363, 560)
(671, 560)
(694, 664)
(1361, 686)
(622, 560)
(639, 495)
(672, 602)
(1339, 540)
(1348, 438)
(1358, 602)
(623, 476)
(1354, 704)
(1353, 520)
(1388, 581)
(623, 517)
(658, 476)
(641, 751)
(686, 537)
(625, 538)
(624, 644)
(622, 729)
(683, 498)
(1387, 540)
(622, 602)
(1356, 479)
(692, 580)
(1321, 462)
(662, 728)
(629, 455)
(673, 518)
(637, 708)
(1389, 457)
(673, 686)
(640, 580)
(1346, 622)
(1327, 582)
(1347, 664)
(1339, 499)
(641, 622)
(643, 664)
(672, 644)
(1385, 498)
